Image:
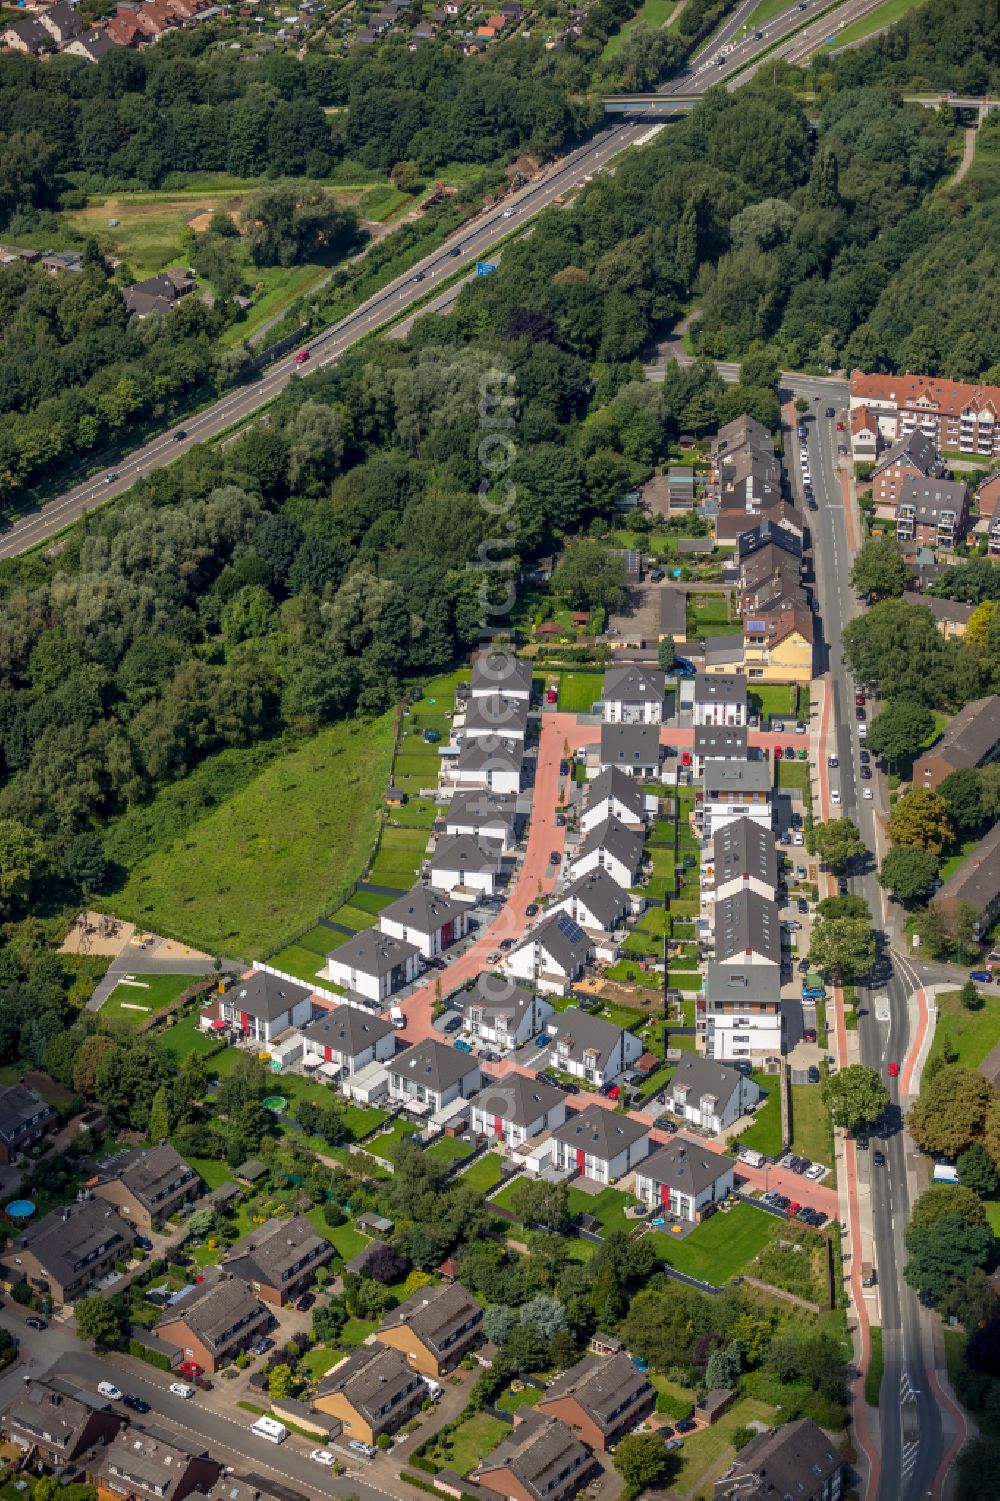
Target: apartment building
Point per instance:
(68, 1251)
(976, 884)
(152, 1464)
(971, 739)
(502, 1013)
(590, 1048)
(738, 1014)
(55, 1429)
(540, 1460)
(743, 856)
(720, 700)
(912, 457)
(957, 416)
(932, 513)
(747, 929)
(732, 790)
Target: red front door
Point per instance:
(665, 1195)
(581, 1159)
(447, 933)
(498, 1125)
(327, 1054)
(244, 1021)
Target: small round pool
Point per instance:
(20, 1209)
(277, 1103)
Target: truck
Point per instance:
(945, 1172)
(271, 1429)
(396, 1017)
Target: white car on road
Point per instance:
(109, 1390)
(323, 1457)
(835, 796)
(181, 1389)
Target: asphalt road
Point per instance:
(909, 1418)
(463, 249)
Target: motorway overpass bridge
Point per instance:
(664, 106)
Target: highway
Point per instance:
(910, 1427)
(461, 250)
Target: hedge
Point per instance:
(151, 1357)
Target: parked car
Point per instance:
(686, 1425)
(181, 1389)
(462, 1046)
(778, 753)
(542, 1040)
(323, 1456)
(531, 910)
(832, 762)
(813, 1074)
(305, 1303)
(866, 773)
(137, 1404)
(555, 857)
(453, 1024)
(109, 1390)
(982, 976)
(864, 757)
(360, 1447)
(36, 1323)
(792, 1208)
(803, 905)
(816, 1171)
(809, 1035)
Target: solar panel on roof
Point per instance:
(568, 928)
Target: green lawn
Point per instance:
(185, 1036)
(608, 1206)
(876, 1367)
(653, 14)
(509, 1401)
(812, 1128)
(969, 1034)
(241, 880)
(789, 774)
(765, 1133)
(346, 1241)
(135, 1001)
(484, 1174)
(954, 860)
(721, 1247)
(317, 1361)
(579, 691)
(449, 1149)
(779, 699)
(381, 1146)
(705, 1452)
(212, 1174)
(356, 1331)
(707, 615)
(892, 10)
(466, 1445)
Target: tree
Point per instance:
(666, 653)
(21, 856)
(951, 1111)
(963, 931)
(978, 1466)
(499, 1323)
(643, 1462)
(200, 1223)
(590, 575)
(971, 996)
(385, 1264)
(879, 570)
(284, 225)
(909, 872)
(921, 818)
(855, 1096)
(89, 1058)
(280, 1382)
(724, 1366)
(100, 1319)
(247, 1081)
(545, 1314)
(900, 729)
(961, 792)
(543, 1204)
(159, 1117)
(850, 905)
(945, 1254)
(838, 842)
(84, 864)
(843, 946)
(942, 1199)
(977, 1170)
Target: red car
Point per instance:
(840, 427)
(793, 1208)
(685, 758)
(859, 700)
(302, 356)
(778, 753)
(551, 696)
(893, 1070)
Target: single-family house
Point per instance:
(950, 616)
(778, 641)
(742, 430)
(590, 1048)
(347, 1039)
(434, 1328)
(600, 1144)
(150, 1185)
(54, 1429)
(739, 1015)
(261, 1006)
(539, 1460)
(971, 739)
(279, 1259)
(433, 1074)
(465, 867)
(90, 45)
(710, 1095)
(155, 1462)
(29, 37)
(975, 884)
(25, 1118)
(720, 700)
(796, 1459)
(501, 1013)
(747, 929)
(61, 22)
(373, 1391)
(551, 956)
(600, 1399)
(613, 847)
(499, 672)
(485, 816)
(68, 1250)
(494, 716)
(633, 695)
(684, 1179)
(373, 964)
(515, 1107)
(633, 748)
(488, 764)
(215, 1321)
(428, 919)
(612, 794)
(596, 901)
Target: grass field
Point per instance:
(382, 1145)
(579, 691)
(466, 1445)
(706, 1452)
(484, 1174)
(773, 698)
(891, 11)
(721, 1247)
(608, 1207)
(876, 1366)
(448, 1149)
(241, 880)
(765, 1133)
(212, 1174)
(346, 1241)
(969, 1034)
(317, 1361)
(653, 14)
(186, 1037)
(792, 774)
(707, 615)
(812, 1128)
(135, 1001)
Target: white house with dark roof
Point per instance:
(735, 789)
(720, 699)
(515, 1108)
(501, 1013)
(600, 1144)
(488, 764)
(742, 856)
(633, 695)
(433, 1074)
(552, 955)
(740, 1013)
(747, 930)
(261, 1006)
(484, 816)
(466, 867)
(346, 1040)
(633, 748)
(494, 714)
(499, 672)
(590, 1048)
(708, 1094)
(614, 794)
(595, 901)
(612, 847)
(373, 964)
(718, 742)
(684, 1178)
(426, 918)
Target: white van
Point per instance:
(751, 1158)
(109, 1390)
(271, 1429)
